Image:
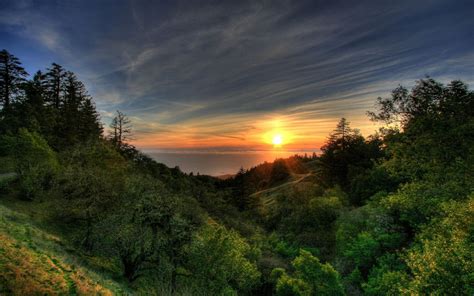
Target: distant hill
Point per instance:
(225, 177)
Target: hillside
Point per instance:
(84, 212)
(34, 261)
(297, 182)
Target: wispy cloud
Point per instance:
(200, 74)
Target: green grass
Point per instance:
(297, 184)
(36, 262)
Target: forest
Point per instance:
(84, 212)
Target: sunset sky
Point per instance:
(230, 75)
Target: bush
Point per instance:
(221, 262)
(311, 277)
(35, 162)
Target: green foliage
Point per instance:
(363, 235)
(34, 261)
(120, 212)
(309, 278)
(324, 210)
(35, 162)
(288, 286)
(221, 261)
(347, 155)
(391, 283)
(371, 182)
(388, 277)
(442, 262)
(285, 249)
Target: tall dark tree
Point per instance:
(35, 90)
(12, 75)
(73, 94)
(79, 120)
(55, 82)
(342, 134)
(89, 121)
(346, 154)
(34, 112)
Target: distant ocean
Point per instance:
(218, 163)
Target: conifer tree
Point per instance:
(55, 78)
(12, 76)
(340, 136)
(89, 123)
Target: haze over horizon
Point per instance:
(222, 76)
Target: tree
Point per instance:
(442, 261)
(89, 120)
(121, 130)
(90, 188)
(74, 92)
(36, 163)
(345, 155)
(436, 122)
(342, 134)
(79, 118)
(220, 262)
(73, 96)
(12, 76)
(35, 91)
(55, 84)
(428, 98)
(310, 277)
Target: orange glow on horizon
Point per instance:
(245, 133)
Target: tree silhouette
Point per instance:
(342, 134)
(12, 75)
(344, 150)
(121, 130)
(89, 122)
(55, 78)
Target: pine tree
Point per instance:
(89, 123)
(74, 92)
(341, 152)
(12, 76)
(55, 79)
(79, 118)
(340, 136)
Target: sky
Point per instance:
(230, 75)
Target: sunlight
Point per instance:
(278, 132)
(277, 140)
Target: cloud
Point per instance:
(214, 73)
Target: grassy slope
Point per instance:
(35, 262)
(299, 183)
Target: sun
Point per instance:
(277, 140)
